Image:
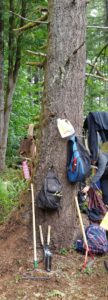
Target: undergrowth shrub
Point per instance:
(12, 184)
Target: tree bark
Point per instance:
(63, 97)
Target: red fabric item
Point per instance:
(95, 201)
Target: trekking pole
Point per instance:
(48, 236)
(81, 223)
(48, 256)
(83, 231)
(41, 235)
(34, 228)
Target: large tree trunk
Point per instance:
(63, 97)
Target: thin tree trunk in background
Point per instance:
(14, 59)
(63, 97)
(10, 88)
(106, 13)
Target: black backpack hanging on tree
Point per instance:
(50, 194)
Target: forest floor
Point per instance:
(66, 280)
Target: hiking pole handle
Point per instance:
(41, 235)
(49, 233)
(81, 223)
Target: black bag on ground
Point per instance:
(94, 214)
(50, 195)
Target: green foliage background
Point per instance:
(29, 89)
(96, 94)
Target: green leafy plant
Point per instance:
(4, 195)
(11, 186)
(63, 251)
(88, 270)
(56, 293)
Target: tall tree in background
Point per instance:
(106, 13)
(14, 58)
(97, 54)
(63, 97)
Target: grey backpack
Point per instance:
(50, 194)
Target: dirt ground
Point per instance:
(65, 281)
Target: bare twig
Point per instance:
(44, 46)
(25, 19)
(96, 69)
(36, 53)
(98, 55)
(96, 76)
(97, 27)
(104, 47)
(32, 24)
(36, 64)
(21, 17)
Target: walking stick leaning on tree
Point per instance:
(87, 251)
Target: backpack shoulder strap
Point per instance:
(71, 148)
